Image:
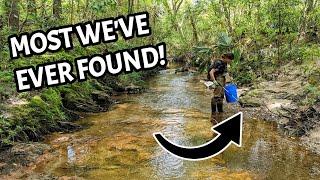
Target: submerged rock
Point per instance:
(132, 89)
(102, 98)
(19, 155)
(271, 94)
(302, 120)
(99, 101)
(69, 126)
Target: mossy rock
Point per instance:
(247, 101)
(102, 98)
(314, 78)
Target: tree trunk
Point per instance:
(85, 13)
(1, 23)
(13, 14)
(56, 9)
(194, 30)
(258, 15)
(32, 8)
(153, 25)
(279, 36)
(226, 11)
(309, 6)
(173, 10)
(78, 9)
(2, 39)
(72, 12)
(130, 6)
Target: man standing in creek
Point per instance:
(217, 73)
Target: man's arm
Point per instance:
(212, 74)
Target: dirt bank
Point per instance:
(281, 102)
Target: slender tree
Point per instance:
(226, 11)
(309, 6)
(13, 14)
(56, 9)
(130, 6)
(173, 9)
(86, 9)
(192, 16)
(72, 11)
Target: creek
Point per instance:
(118, 144)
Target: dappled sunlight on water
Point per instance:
(119, 144)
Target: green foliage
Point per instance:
(77, 92)
(50, 100)
(134, 78)
(224, 42)
(264, 35)
(6, 131)
(6, 87)
(312, 94)
(6, 76)
(241, 71)
(100, 5)
(28, 122)
(204, 56)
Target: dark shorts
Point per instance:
(218, 92)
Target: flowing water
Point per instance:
(119, 144)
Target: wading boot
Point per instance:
(220, 107)
(213, 105)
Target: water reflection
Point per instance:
(166, 165)
(259, 158)
(71, 154)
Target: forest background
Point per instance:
(270, 39)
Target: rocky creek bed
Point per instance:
(268, 101)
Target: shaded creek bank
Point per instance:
(118, 144)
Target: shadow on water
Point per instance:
(119, 144)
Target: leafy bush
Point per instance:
(134, 78)
(28, 122)
(6, 131)
(203, 57)
(48, 105)
(312, 93)
(224, 42)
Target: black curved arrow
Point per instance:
(229, 131)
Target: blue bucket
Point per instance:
(231, 93)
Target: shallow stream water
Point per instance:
(119, 144)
